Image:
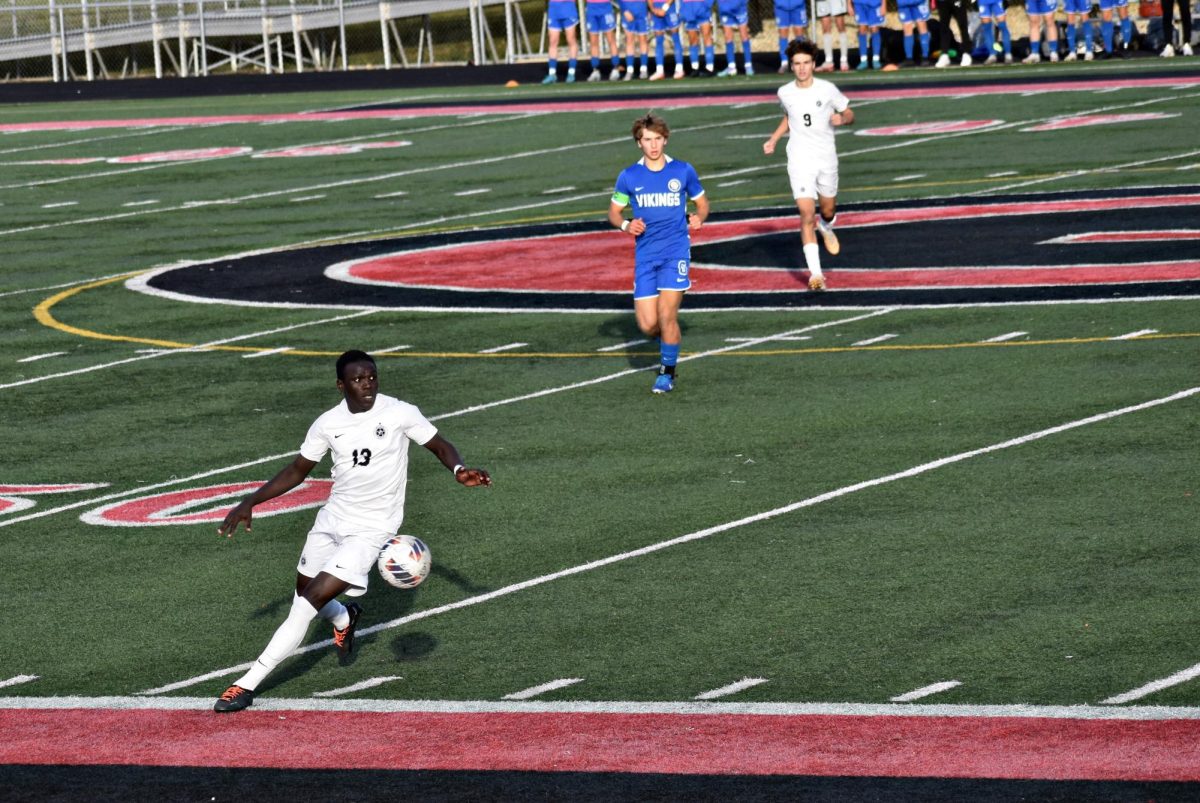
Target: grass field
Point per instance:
(882, 505)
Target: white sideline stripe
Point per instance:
(6, 521)
(369, 683)
(17, 680)
(911, 177)
(201, 347)
(142, 203)
(625, 345)
(1076, 712)
(479, 191)
(47, 355)
(747, 339)
(705, 533)
(925, 691)
(397, 194)
(553, 190)
(1004, 337)
(872, 341)
(305, 198)
(60, 204)
(732, 688)
(392, 349)
(534, 691)
(505, 347)
(266, 353)
(1132, 335)
(1157, 685)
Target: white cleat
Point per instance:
(1186, 50)
(1168, 52)
(816, 283)
(966, 60)
(943, 61)
(1032, 58)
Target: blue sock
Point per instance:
(862, 47)
(553, 67)
(1005, 37)
(616, 62)
(595, 62)
(1087, 34)
(669, 354)
(925, 45)
(660, 49)
(989, 38)
(908, 46)
(572, 64)
(729, 57)
(1106, 34)
(783, 43)
(747, 54)
(645, 62)
(694, 53)
(678, 50)
(710, 57)
(876, 50)
(629, 63)
(1127, 31)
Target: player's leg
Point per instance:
(747, 51)
(670, 337)
(552, 66)
(1052, 36)
(826, 44)
(572, 53)
(808, 242)
(825, 218)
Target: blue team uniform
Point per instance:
(663, 253)
(561, 14)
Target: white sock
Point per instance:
(823, 224)
(812, 258)
(842, 46)
(828, 40)
(335, 613)
(285, 641)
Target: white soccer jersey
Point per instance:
(808, 111)
(370, 459)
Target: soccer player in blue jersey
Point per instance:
(993, 17)
(791, 18)
(1107, 26)
(1039, 12)
(657, 189)
(562, 16)
(914, 14)
(1078, 22)
(696, 16)
(665, 20)
(869, 15)
(602, 20)
(635, 20)
(735, 15)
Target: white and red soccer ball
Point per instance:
(404, 561)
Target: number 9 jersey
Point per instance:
(808, 111)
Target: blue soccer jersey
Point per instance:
(660, 199)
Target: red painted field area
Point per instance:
(819, 745)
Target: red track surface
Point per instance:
(819, 745)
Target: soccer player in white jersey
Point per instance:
(812, 107)
(657, 189)
(368, 435)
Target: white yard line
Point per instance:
(624, 345)
(185, 350)
(17, 680)
(925, 691)
(534, 691)
(46, 356)
(505, 347)
(698, 707)
(1134, 335)
(369, 683)
(732, 688)
(1004, 337)
(697, 535)
(872, 341)
(1158, 685)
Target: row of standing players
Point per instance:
(662, 18)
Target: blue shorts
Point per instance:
(600, 18)
(918, 12)
(1109, 5)
(666, 23)
(991, 9)
(561, 15)
(695, 15)
(668, 273)
(795, 17)
(635, 18)
(1077, 6)
(735, 19)
(867, 14)
(1040, 8)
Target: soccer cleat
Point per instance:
(615, 75)
(816, 283)
(991, 59)
(877, 63)
(863, 65)
(1070, 57)
(728, 72)
(784, 69)
(663, 383)
(550, 79)
(594, 78)
(1088, 56)
(943, 61)
(679, 73)
(344, 639)
(1032, 58)
(826, 67)
(749, 68)
(1008, 59)
(644, 74)
(1168, 51)
(628, 75)
(831, 240)
(1054, 56)
(658, 75)
(235, 698)
(570, 78)
(966, 60)
(1186, 50)
(845, 66)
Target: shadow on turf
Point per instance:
(623, 328)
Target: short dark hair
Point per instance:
(800, 45)
(354, 355)
(653, 122)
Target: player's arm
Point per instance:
(844, 117)
(780, 130)
(697, 218)
(655, 10)
(450, 458)
(616, 216)
(288, 478)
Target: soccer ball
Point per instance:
(404, 561)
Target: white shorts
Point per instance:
(810, 180)
(827, 8)
(347, 551)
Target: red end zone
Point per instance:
(817, 745)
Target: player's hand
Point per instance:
(769, 145)
(628, 16)
(240, 513)
(637, 226)
(694, 221)
(473, 477)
